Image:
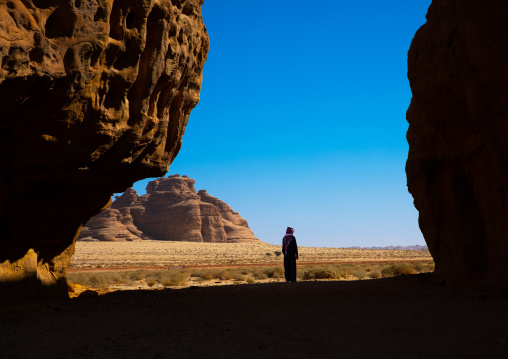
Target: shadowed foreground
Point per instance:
(407, 317)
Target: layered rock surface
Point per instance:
(457, 167)
(94, 95)
(171, 210)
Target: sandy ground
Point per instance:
(160, 253)
(403, 317)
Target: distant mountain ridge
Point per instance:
(416, 247)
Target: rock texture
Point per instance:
(236, 228)
(94, 95)
(457, 167)
(170, 211)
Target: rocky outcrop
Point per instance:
(94, 95)
(112, 225)
(171, 210)
(457, 168)
(236, 228)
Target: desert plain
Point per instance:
(176, 254)
(109, 266)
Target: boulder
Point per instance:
(94, 95)
(171, 210)
(457, 167)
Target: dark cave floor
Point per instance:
(404, 317)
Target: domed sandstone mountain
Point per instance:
(171, 211)
(94, 96)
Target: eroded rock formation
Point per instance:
(94, 95)
(236, 227)
(457, 167)
(171, 211)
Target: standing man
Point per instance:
(290, 250)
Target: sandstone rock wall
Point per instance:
(236, 227)
(94, 95)
(112, 225)
(457, 166)
(171, 211)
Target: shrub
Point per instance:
(374, 275)
(308, 275)
(430, 267)
(138, 275)
(207, 275)
(244, 271)
(278, 253)
(155, 276)
(319, 273)
(250, 280)
(418, 267)
(175, 279)
(274, 272)
(238, 276)
(325, 274)
(259, 273)
(359, 273)
(396, 269)
(341, 274)
(97, 281)
(78, 278)
(115, 278)
(226, 275)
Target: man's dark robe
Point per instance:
(290, 260)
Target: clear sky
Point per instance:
(302, 119)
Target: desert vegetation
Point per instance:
(110, 266)
(157, 279)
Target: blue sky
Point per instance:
(302, 119)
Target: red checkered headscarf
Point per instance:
(288, 238)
